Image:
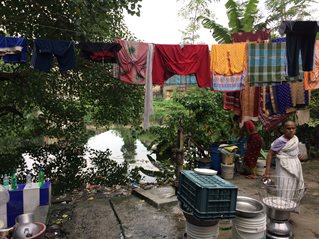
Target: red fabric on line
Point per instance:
(172, 60)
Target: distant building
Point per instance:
(178, 83)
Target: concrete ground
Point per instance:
(129, 216)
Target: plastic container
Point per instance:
(227, 157)
(28, 178)
(216, 158)
(227, 171)
(41, 178)
(261, 167)
(14, 182)
(249, 228)
(6, 181)
(207, 197)
(303, 150)
(242, 145)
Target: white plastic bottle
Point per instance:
(28, 181)
(6, 181)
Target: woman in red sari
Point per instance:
(254, 144)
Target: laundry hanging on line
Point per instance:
(311, 78)
(184, 66)
(228, 66)
(13, 49)
(44, 51)
(132, 61)
(300, 38)
(170, 60)
(246, 103)
(259, 36)
(267, 64)
(99, 51)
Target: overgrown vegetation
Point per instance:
(247, 16)
(44, 114)
(201, 115)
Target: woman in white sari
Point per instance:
(288, 167)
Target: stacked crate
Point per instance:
(207, 197)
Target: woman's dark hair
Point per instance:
(287, 122)
(236, 118)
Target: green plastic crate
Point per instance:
(207, 197)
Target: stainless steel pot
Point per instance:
(277, 215)
(25, 226)
(279, 229)
(26, 230)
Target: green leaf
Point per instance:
(220, 33)
(234, 15)
(250, 14)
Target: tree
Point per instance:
(190, 11)
(201, 115)
(287, 10)
(246, 16)
(55, 105)
(241, 16)
(76, 19)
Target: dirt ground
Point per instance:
(115, 213)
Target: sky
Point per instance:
(159, 22)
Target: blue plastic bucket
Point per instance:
(216, 158)
(240, 144)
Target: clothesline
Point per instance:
(146, 64)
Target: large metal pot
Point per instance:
(25, 226)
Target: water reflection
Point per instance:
(129, 149)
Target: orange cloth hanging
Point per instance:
(228, 59)
(250, 102)
(311, 78)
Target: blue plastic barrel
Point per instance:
(216, 158)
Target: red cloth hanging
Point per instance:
(258, 36)
(170, 60)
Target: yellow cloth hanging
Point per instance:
(228, 59)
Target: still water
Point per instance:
(114, 142)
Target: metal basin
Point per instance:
(248, 207)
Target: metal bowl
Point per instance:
(248, 207)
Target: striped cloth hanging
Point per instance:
(267, 64)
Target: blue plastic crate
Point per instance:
(208, 197)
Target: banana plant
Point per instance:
(241, 17)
